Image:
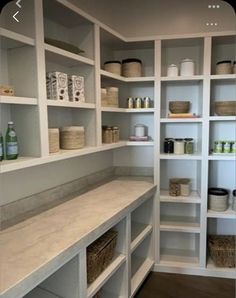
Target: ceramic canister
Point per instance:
(187, 67)
(172, 70)
(139, 130)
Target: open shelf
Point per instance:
(140, 269)
(194, 197)
(12, 40)
(222, 157)
(135, 143)
(220, 271)
(68, 104)
(18, 100)
(181, 156)
(123, 110)
(223, 77)
(182, 78)
(229, 213)
(181, 120)
(40, 293)
(182, 224)
(179, 258)
(222, 118)
(139, 232)
(118, 260)
(111, 75)
(64, 57)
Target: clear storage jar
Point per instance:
(178, 146)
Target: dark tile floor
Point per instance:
(163, 285)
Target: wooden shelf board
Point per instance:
(229, 213)
(184, 224)
(182, 78)
(180, 156)
(181, 120)
(178, 257)
(140, 269)
(18, 100)
(192, 198)
(118, 260)
(64, 57)
(222, 118)
(139, 232)
(136, 143)
(124, 110)
(11, 40)
(224, 77)
(69, 104)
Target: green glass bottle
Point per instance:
(11, 142)
(1, 147)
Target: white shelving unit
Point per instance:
(26, 58)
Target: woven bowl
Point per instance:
(225, 108)
(177, 107)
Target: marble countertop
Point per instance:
(37, 247)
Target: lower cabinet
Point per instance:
(132, 261)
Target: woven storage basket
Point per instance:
(177, 107)
(132, 68)
(112, 97)
(72, 137)
(222, 250)
(113, 67)
(53, 138)
(100, 254)
(225, 108)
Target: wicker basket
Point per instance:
(100, 254)
(132, 68)
(225, 108)
(53, 138)
(72, 137)
(177, 107)
(222, 250)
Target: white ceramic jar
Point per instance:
(187, 67)
(172, 70)
(178, 146)
(139, 130)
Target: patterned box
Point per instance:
(57, 86)
(76, 88)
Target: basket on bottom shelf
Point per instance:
(100, 254)
(222, 249)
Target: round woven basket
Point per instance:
(72, 137)
(177, 107)
(225, 108)
(131, 67)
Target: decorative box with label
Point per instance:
(76, 88)
(57, 86)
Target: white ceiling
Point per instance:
(154, 17)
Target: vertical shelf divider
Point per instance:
(205, 149)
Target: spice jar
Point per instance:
(138, 103)
(179, 146)
(130, 102)
(106, 134)
(172, 70)
(168, 145)
(218, 147)
(227, 147)
(188, 146)
(187, 67)
(146, 102)
(233, 147)
(174, 187)
(115, 134)
(223, 67)
(184, 187)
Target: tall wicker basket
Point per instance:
(222, 249)
(100, 254)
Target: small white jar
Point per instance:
(172, 70)
(179, 146)
(187, 67)
(139, 130)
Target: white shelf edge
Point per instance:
(177, 224)
(79, 105)
(68, 54)
(180, 120)
(18, 100)
(136, 143)
(229, 213)
(182, 78)
(124, 110)
(222, 118)
(140, 275)
(111, 75)
(178, 258)
(193, 198)
(223, 77)
(139, 239)
(219, 271)
(181, 156)
(222, 157)
(92, 289)
(17, 37)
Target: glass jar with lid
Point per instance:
(106, 134)
(188, 146)
(115, 134)
(179, 146)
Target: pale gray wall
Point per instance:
(137, 18)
